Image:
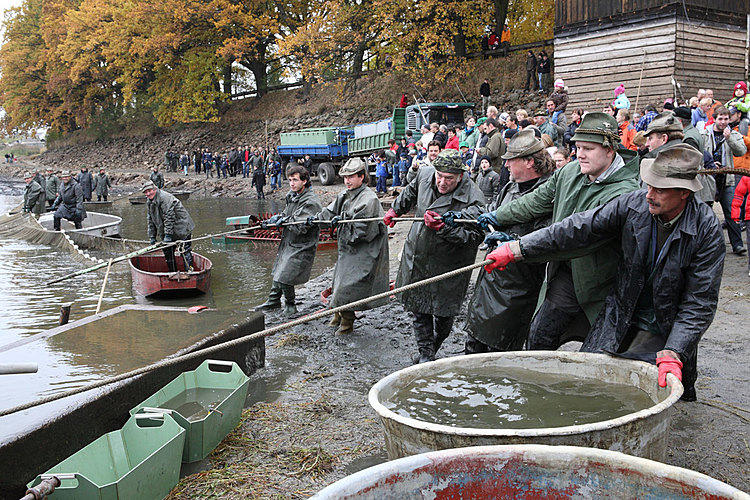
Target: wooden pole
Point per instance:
(116, 259)
(101, 294)
(638, 95)
(65, 314)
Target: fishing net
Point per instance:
(24, 226)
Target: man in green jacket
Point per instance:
(168, 219)
(52, 185)
(33, 195)
(574, 290)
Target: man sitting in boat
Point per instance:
(69, 202)
(298, 242)
(168, 219)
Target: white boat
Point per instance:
(95, 224)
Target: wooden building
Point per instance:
(600, 44)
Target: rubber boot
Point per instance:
(291, 307)
(443, 327)
(347, 323)
(424, 333)
(336, 320)
(274, 298)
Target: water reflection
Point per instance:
(240, 279)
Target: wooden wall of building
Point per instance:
(709, 57)
(573, 12)
(697, 54)
(593, 64)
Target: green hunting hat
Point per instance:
(28, 175)
(449, 162)
(541, 112)
(664, 123)
(147, 185)
(463, 144)
(352, 166)
(674, 167)
(524, 143)
(481, 120)
(65, 173)
(598, 127)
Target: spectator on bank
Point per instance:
(441, 136)
(544, 69)
(505, 40)
(700, 114)
(531, 64)
(561, 157)
(609, 109)
(453, 140)
(575, 121)
(627, 131)
(470, 134)
(621, 100)
(645, 120)
(259, 181)
(522, 114)
(560, 97)
(484, 91)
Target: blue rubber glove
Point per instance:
(272, 221)
(450, 217)
(492, 239)
(485, 220)
(311, 220)
(153, 240)
(335, 221)
(168, 238)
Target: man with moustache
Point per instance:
(669, 271)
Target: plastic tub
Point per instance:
(141, 460)
(206, 431)
(527, 472)
(643, 433)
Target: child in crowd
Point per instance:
(381, 172)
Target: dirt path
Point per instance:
(319, 426)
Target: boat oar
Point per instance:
(147, 249)
(101, 294)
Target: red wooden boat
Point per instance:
(151, 275)
(269, 236)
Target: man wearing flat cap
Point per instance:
(433, 248)
(33, 195)
(69, 202)
(664, 131)
(575, 288)
(168, 219)
(362, 266)
(669, 271)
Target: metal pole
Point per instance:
(101, 294)
(747, 49)
(13, 368)
(65, 313)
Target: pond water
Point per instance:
(240, 280)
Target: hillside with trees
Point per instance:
(71, 65)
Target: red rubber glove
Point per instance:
(668, 364)
(388, 219)
(433, 220)
(502, 256)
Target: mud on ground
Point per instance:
(312, 424)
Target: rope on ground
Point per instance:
(352, 306)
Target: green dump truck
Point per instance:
(330, 147)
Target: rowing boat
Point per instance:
(95, 224)
(151, 275)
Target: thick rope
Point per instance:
(236, 342)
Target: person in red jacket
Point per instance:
(453, 140)
(741, 192)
